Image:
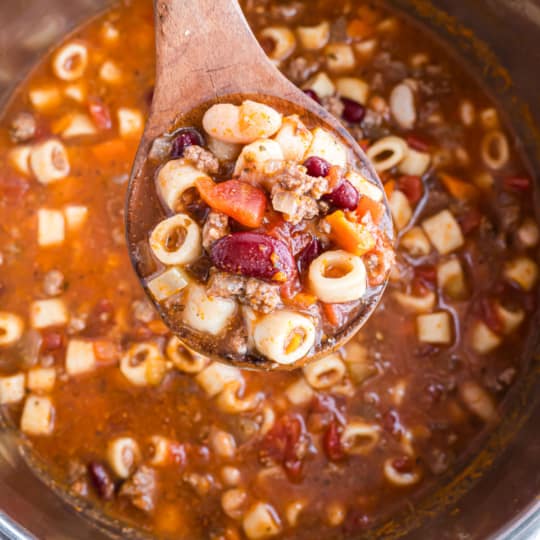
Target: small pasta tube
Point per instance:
(283, 42)
(216, 376)
(326, 146)
(315, 37)
(174, 179)
(38, 416)
(325, 372)
(222, 150)
(400, 208)
(183, 358)
(523, 271)
(353, 88)
(495, 150)
(49, 161)
(80, 357)
(41, 379)
(230, 401)
(176, 240)
(444, 232)
(167, 284)
(209, 314)
(261, 521)
(123, 455)
(50, 312)
(294, 138)
(241, 124)
(130, 122)
(483, 339)
(12, 388)
(233, 502)
(223, 443)
(339, 57)
(337, 276)
(284, 336)
(387, 152)
(434, 328)
(359, 438)
(11, 328)
(415, 242)
(402, 105)
(71, 61)
(143, 365)
(398, 477)
(321, 84)
(51, 227)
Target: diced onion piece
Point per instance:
(45, 313)
(261, 521)
(478, 400)
(11, 328)
(49, 161)
(350, 282)
(76, 91)
(216, 376)
(402, 106)
(167, 284)
(416, 304)
(510, 319)
(51, 227)
(78, 125)
(314, 37)
(75, 215)
(326, 146)
(284, 336)
(415, 242)
(321, 84)
(110, 72)
(364, 186)
(123, 455)
(444, 232)
(283, 41)
(483, 339)
(207, 314)
(41, 379)
(400, 208)
(415, 163)
(353, 88)
(434, 328)
(339, 57)
(523, 271)
(80, 357)
(294, 138)
(19, 159)
(45, 98)
(130, 123)
(38, 416)
(451, 279)
(299, 392)
(12, 388)
(489, 118)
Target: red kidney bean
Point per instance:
(317, 166)
(101, 479)
(426, 274)
(184, 138)
(517, 183)
(418, 144)
(412, 187)
(353, 111)
(308, 255)
(313, 95)
(255, 255)
(52, 341)
(332, 443)
(469, 220)
(345, 196)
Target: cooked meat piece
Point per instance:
(141, 488)
(237, 342)
(262, 296)
(294, 207)
(510, 212)
(53, 283)
(23, 127)
(226, 285)
(215, 227)
(77, 477)
(300, 69)
(333, 105)
(143, 311)
(294, 178)
(202, 159)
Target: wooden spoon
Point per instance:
(206, 53)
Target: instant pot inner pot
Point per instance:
(495, 494)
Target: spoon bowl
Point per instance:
(207, 54)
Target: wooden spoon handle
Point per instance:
(204, 49)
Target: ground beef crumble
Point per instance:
(23, 127)
(215, 227)
(333, 105)
(202, 159)
(140, 488)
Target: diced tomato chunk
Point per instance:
(417, 143)
(517, 183)
(332, 443)
(100, 113)
(239, 200)
(412, 187)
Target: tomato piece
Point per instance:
(517, 183)
(418, 144)
(100, 113)
(239, 200)
(412, 187)
(332, 443)
(375, 209)
(470, 220)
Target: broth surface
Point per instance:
(327, 451)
